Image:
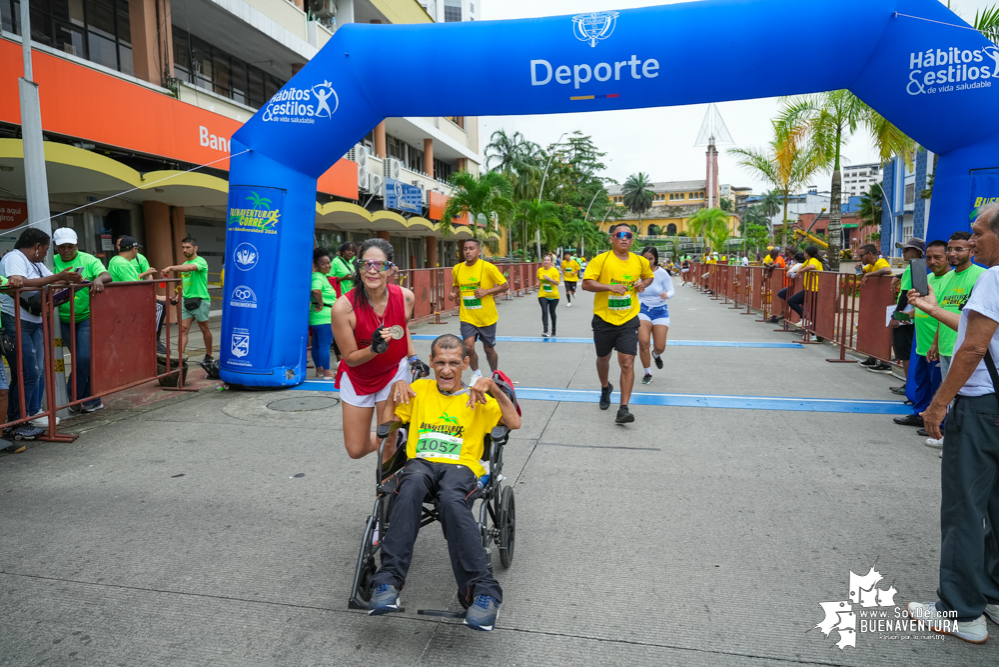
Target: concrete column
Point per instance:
(179, 226)
(431, 252)
(462, 164)
(159, 242)
(148, 44)
(380, 143)
(428, 156)
(383, 235)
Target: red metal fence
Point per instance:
(432, 287)
(840, 308)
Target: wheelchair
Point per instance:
(497, 508)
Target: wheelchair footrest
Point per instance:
(440, 613)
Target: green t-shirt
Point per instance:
(196, 282)
(926, 326)
(341, 269)
(952, 294)
(324, 316)
(122, 270)
(141, 262)
(92, 267)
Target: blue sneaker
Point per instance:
(384, 600)
(482, 614)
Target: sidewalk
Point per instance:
(180, 532)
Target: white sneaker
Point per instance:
(568, 305)
(992, 611)
(43, 421)
(934, 443)
(975, 632)
(475, 376)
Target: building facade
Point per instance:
(453, 11)
(905, 211)
(858, 178)
(137, 93)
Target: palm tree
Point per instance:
(987, 23)
(487, 195)
(787, 162)
(709, 223)
(541, 216)
(726, 204)
(771, 203)
(637, 192)
(825, 118)
(519, 160)
(871, 206)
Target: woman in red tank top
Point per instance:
(370, 326)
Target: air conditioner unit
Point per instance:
(362, 177)
(376, 183)
(392, 168)
(358, 154)
(323, 9)
(423, 191)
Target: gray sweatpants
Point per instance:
(969, 508)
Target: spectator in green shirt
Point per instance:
(197, 302)
(122, 267)
(320, 318)
(140, 261)
(344, 267)
(69, 257)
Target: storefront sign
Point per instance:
(13, 214)
(403, 197)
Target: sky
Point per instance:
(660, 141)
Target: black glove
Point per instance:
(378, 344)
(419, 369)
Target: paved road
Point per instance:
(181, 535)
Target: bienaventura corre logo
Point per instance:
(594, 27)
(243, 297)
(872, 610)
(952, 69)
(302, 105)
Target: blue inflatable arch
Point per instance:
(914, 61)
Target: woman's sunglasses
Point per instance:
(377, 265)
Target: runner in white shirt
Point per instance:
(653, 318)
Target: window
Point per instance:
(442, 170)
(457, 120)
(395, 148)
(452, 11)
(97, 30)
(414, 159)
(910, 193)
(197, 62)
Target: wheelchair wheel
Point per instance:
(507, 526)
(364, 587)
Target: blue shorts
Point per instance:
(657, 315)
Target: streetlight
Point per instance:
(544, 177)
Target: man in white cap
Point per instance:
(69, 257)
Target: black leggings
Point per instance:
(796, 302)
(548, 306)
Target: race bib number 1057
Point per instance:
(438, 446)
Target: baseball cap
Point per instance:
(913, 242)
(127, 243)
(64, 235)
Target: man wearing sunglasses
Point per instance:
(617, 277)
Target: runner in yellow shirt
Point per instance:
(617, 277)
(475, 282)
(570, 272)
(548, 279)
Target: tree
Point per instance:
(709, 223)
(488, 195)
(541, 216)
(825, 118)
(637, 192)
(870, 207)
(787, 162)
(726, 204)
(987, 23)
(756, 236)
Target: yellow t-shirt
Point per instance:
(812, 278)
(882, 263)
(547, 290)
(613, 308)
(444, 429)
(711, 260)
(477, 312)
(571, 270)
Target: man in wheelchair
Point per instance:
(448, 424)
